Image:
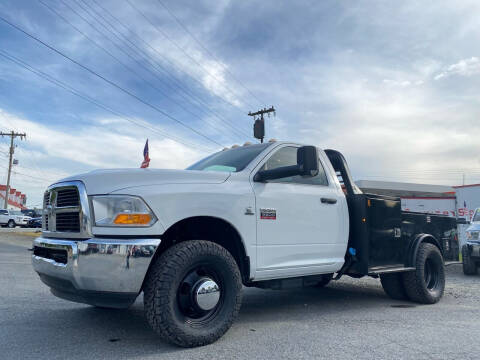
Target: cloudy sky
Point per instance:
(393, 85)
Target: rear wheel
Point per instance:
(192, 293)
(469, 266)
(426, 284)
(393, 286)
(11, 224)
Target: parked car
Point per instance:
(471, 248)
(35, 222)
(270, 215)
(33, 213)
(12, 218)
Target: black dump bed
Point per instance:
(383, 237)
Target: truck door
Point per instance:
(3, 216)
(301, 221)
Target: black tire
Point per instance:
(469, 266)
(168, 286)
(326, 278)
(11, 224)
(393, 286)
(426, 284)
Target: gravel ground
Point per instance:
(350, 319)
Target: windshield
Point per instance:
(476, 217)
(232, 160)
(16, 212)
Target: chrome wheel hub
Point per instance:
(207, 294)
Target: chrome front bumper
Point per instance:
(473, 248)
(97, 271)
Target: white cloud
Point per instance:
(52, 151)
(401, 83)
(465, 67)
(365, 88)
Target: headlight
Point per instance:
(468, 235)
(121, 210)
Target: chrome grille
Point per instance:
(68, 197)
(66, 211)
(68, 222)
(46, 203)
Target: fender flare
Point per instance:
(241, 256)
(415, 244)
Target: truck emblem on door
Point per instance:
(268, 214)
(249, 211)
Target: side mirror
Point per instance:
(307, 160)
(307, 165)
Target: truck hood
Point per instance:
(474, 227)
(106, 181)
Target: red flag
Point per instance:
(146, 158)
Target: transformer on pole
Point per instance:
(259, 124)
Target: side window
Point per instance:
(287, 156)
(3, 212)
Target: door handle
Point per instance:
(328, 201)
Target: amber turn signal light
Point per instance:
(132, 219)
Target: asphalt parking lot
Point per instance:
(350, 319)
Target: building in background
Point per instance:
(468, 199)
(16, 200)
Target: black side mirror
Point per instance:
(307, 165)
(307, 160)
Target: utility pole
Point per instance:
(259, 125)
(12, 135)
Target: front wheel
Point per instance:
(426, 284)
(11, 224)
(192, 293)
(469, 266)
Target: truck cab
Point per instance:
(471, 248)
(271, 215)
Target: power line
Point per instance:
(14, 128)
(163, 93)
(186, 94)
(12, 134)
(109, 81)
(179, 22)
(87, 98)
(30, 176)
(171, 64)
(180, 48)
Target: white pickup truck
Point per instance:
(273, 215)
(12, 218)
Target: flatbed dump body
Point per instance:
(383, 238)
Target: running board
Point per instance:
(388, 270)
(448, 263)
